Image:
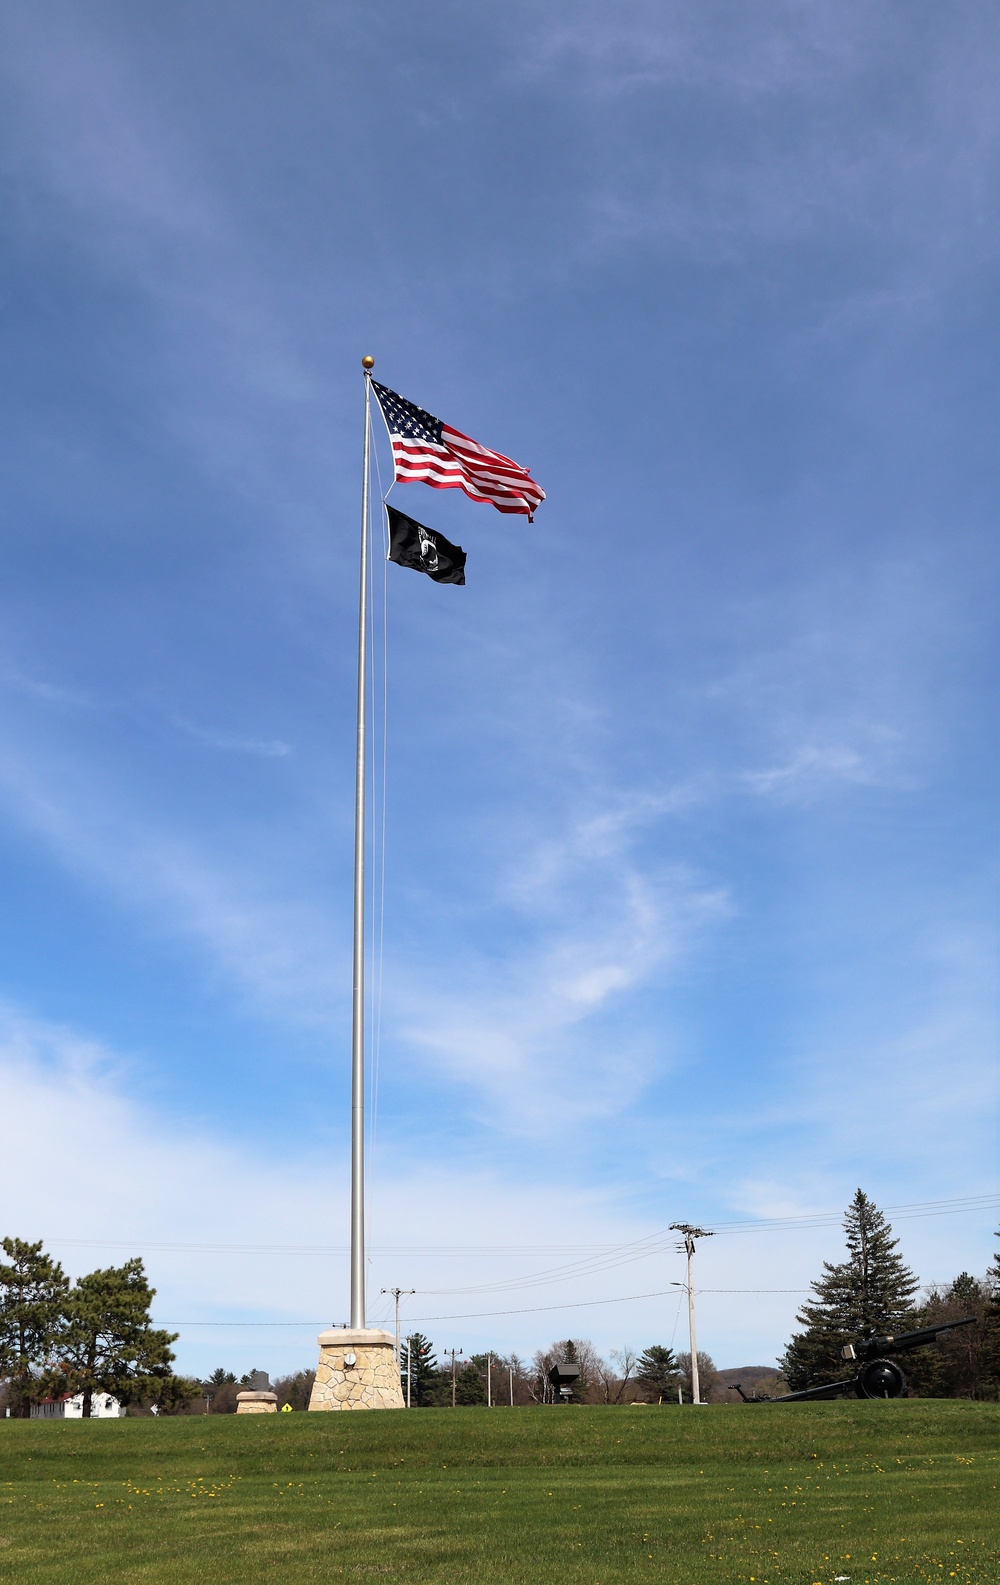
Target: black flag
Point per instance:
(424, 549)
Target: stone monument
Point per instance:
(357, 1370)
(256, 1403)
(258, 1397)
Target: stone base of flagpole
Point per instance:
(357, 1370)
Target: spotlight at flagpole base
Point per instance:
(368, 362)
(357, 1370)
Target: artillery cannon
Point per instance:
(877, 1377)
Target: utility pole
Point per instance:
(690, 1234)
(511, 1373)
(489, 1381)
(453, 1352)
(397, 1293)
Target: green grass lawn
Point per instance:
(801, 1492)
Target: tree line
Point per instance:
(873, 1292)
(97, 1335)
(91, 1336)
(656, 1375)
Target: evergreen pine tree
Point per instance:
(991, 1330)
(33, 1291)
(470, 1383)
(871, 1291)
(110, 1344)
(659, 1373)
(425, 1377)
(176, 1394)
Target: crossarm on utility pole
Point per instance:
(690, 1234)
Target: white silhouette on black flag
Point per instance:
(424, 549)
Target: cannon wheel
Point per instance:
(881, 1378)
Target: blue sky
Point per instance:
(690, 877)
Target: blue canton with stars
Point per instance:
(405, 419)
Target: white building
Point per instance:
(70, 1407)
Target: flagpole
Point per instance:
(358, 1005)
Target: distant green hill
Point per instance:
(752, 1378)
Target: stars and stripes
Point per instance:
(425, 449)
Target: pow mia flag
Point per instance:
(424, 549)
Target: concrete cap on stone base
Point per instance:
(256, 1397)
(356, 1337)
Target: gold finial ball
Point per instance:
(368, 363)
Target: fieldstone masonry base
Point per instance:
(357, 1370)
(256, 1403)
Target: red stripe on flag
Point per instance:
(459, 463)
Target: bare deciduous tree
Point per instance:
(615, 1380)
(707, 1374)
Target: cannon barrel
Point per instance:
(877, 1377)
(872, 1347)
(829, 1389)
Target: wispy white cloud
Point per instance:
(835, 686)
(273, 941)
(45, 692)
(592, 927)
(48, 693)
(100, 1177)
(752, 55)
(712, 133)
(812, 770)
(924, 1090)
(267, 748)
(96, 1166)
(103, 140)
(587, 923)
(903, 1107)
(915, 164)
(133, 186)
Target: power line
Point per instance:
(900, 1213)
(599, 1258)
(486, 1315)
(915, 1209)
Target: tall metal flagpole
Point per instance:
(358, 1006)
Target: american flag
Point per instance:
(426, 449)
